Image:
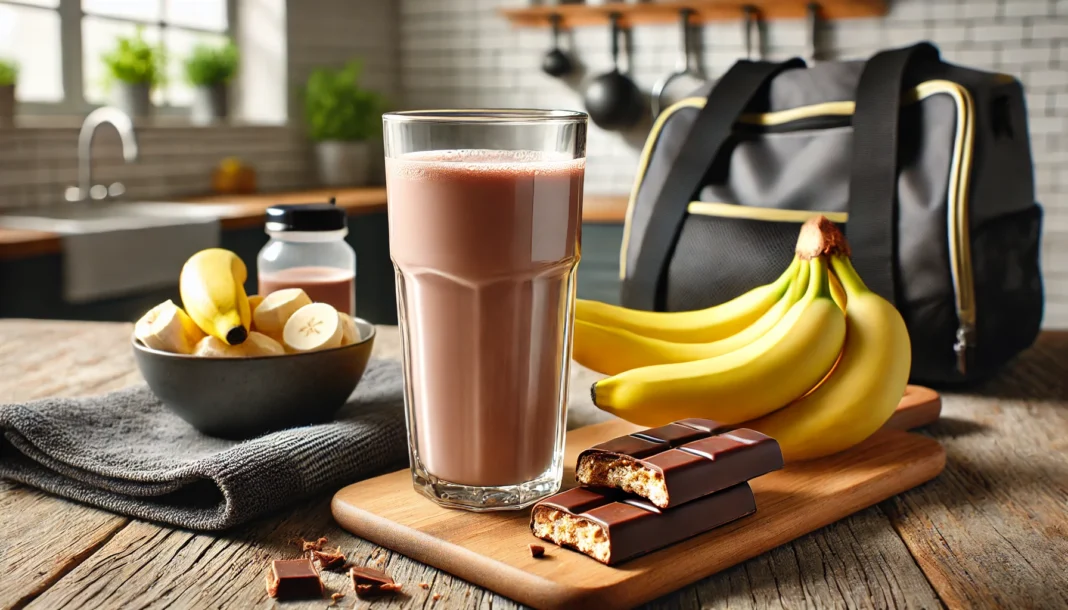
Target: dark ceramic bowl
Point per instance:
(245, 397)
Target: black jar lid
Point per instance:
(306, 217)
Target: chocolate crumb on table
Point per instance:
(437, 596)
(306, 545)
(329, 560)
(424, 585)
(293, 579)
(536, 550)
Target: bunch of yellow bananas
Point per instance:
(813, 359)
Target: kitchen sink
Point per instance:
(77, 218)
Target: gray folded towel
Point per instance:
(124, 452)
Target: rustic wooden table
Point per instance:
(991, 531)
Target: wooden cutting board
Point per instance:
(490, 549)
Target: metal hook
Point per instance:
(685, 33)
(813, 18)
(750, 22)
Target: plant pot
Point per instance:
(343, 163)
(211, 103)
(7, 105)
(133, 98)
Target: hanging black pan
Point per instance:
(556, 62)
(613, 101)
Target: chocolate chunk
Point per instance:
(369, 582)
(369, 576)
(329, 560)
(676, 463)
(293, 579)
(612, 527)
(536, 550)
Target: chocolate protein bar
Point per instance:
(679, 462)
(613, 527)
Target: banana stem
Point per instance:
(820, 283)
(847, 275)
(820, 237)
(786, 279)
(801, 279)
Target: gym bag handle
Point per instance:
(727, 100)
(873, 173)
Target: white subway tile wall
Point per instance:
(36, 165)
(463, 53)
(434, 53)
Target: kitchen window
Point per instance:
(58, 45)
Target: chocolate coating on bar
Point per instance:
(683, 466)
(612, 527)
(655, 440)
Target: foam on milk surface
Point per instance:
(436, 164)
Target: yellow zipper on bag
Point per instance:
(959, 233)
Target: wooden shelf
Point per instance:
(574, 15)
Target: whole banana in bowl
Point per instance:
(212, 285)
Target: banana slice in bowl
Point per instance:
(230, 395)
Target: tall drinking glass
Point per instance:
(484, 215)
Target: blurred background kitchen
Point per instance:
(297, 121)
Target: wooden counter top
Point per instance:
(988, 531)
(248, 210)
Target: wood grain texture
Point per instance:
(992, 531)
(858, 562)
(34, 552)
(42, 538)
(490, 548)
(959, 530)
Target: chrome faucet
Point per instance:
(122, 124)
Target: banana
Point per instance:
(212, 285)
(274, 311)
(838, 293)
(755, 380)
(313, 327)
(700, 326)
(254, 301)
(257, 344)
(865, 387)
(167, 328)
(614, 350)
(349, 333)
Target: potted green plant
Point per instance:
(342, 118)
(9, 75)
(134, 67)
(209, 69)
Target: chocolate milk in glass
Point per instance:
(485, 244)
